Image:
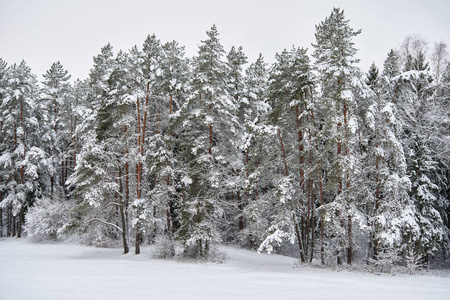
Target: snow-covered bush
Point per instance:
(98, 235)
(164, 247)
(93, 231)
(45, 220)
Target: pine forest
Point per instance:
(308, 156)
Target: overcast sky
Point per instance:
(73, 32)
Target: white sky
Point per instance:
(73, 32)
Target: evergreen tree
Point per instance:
(335, 61)
(162, 158)
(372, 76)
(209, 146)
(440, 139)
(235, 84)
(413, 97)
(391, 65)
(388, 202)
(4, 82)
(4, 168)
(252, 113)
(145, 90)
(97, 177)
(290, 85)
(56, 105)
(21, 157)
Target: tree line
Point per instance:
(308, 155)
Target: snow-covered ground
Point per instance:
(67, 271)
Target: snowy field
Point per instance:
(65, 271)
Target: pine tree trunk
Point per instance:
(350, 241)
(140, 148)
(52, 180)
(127, 186)
(19, 225)
(210, 139)
(122, 215)
(241, 208)
(305, 223)
(138, 186)
(339, 179)
(300, 148)
(66, 173)
(168, 210)
(61, 179)
(308, 219)
(137, 246)
(199, 252)
(22, 169)
(340, 251)
(322, 220)
(206, 253)
(349, 228)
(8, 221)
(72, 138)
(13, 226)
(126, 249)
(247, 152)
(299, 238)
(74, 142)
(377, 205)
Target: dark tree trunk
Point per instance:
(66, 173)
(350, 241)
(140, 148)
(349, 227)
(308, 217)
(304, 226)
(19, 225)
(206, 253)
(312, 221)
(168, 210)
(122, 215)
(299, 238)
(8, 221)
(127, 190)
(126, 249)
(13, 226)
(52, 180)
(61, 180)
(199, 248)
(322, 220)
(137, 246)
(241, 208)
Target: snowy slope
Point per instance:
(64, 271)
